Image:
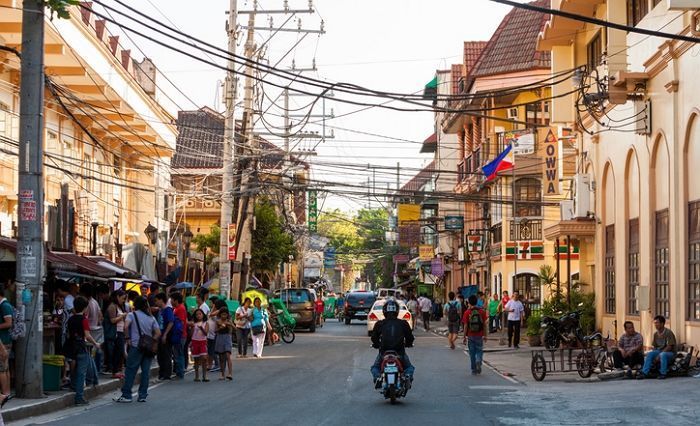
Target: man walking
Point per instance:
(165, 348)
(453, 312)
(494, 314)
(179, 330)
(475, 331)
(425, 305)
(516, 317)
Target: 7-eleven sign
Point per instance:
(525, 250)
(475, 243)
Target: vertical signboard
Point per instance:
(232, 229)
(313, 211)
(551, 163)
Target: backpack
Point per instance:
(18, 329)
(476, 323)
(453, 312)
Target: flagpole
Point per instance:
(515, 223)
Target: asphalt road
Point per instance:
(323, 379)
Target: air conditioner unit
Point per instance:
(582, 196)
(567, 209)
(683, 4)
(512, 113)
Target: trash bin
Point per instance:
(52, 365)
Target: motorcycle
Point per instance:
(566, 328)
(394, 384)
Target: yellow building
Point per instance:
(638, 139)
(508, 84)
(108, 138)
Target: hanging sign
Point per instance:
(454, 222)
(551, 163)
(475, 243)
(425, 252)
(232, 230)
(313, 211)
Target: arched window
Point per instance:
(528, 197)
(528, 285)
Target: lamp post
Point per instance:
(152, 235)
(186, 240)
(93, 240)
(289, 271)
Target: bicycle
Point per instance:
(596, 354)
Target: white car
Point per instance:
(376, 314)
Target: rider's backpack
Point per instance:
(453, 312)
(476, 323)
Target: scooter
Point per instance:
(566, 328)
(394, 384)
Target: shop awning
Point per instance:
(61, 261)
(118, 270)
(430, 90)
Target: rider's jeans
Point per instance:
(376, 369)
(664, 357)
(476, 351)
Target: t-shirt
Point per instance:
(425, 304)
(198, 331)
(167, 316)
(205, 308)
(480, 303)
(663, 339)
(68, 302)
(212, 327)
(93, 314)
(505, 300)
(493, 307)
(245, 313)
(628, 342)
(412, 306)
(77, 326)
(7, 311)
(260, 317)
(465, 321)
(181, 314)
(147, 323)
(454, 303)
(518, 310)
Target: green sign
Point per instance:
(313, 211)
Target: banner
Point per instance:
(425, 252)
(408, 213)
(523, 141)
(454, 222)
(550, 171)
(475, 243)
(401, 258)
(526, 250)
(409, 235)
(232, 229)
(436, 267)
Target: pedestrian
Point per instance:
(224, 345)
(259, 325)
(94, 317)
(200, 328)
(117, 316)
(425, 305)
(504, 317)
(494, 307)
(139, 324)
(474, 320)
(179, 330)
(7, 312)
(243, 315)
(412, 306)
(165, 347)
(78, 338)
(202, 295)
(211, 336)
(480, 299)
(319, 310)
(516, 317)
(453, 312)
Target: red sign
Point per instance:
(232, 241)
(28, 210)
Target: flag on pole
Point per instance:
(504, 161)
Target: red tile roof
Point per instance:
(472, 52)
(513, 47)
(455, 75)
(419, 180)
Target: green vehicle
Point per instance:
(281, 320)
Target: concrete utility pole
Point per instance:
(30, 242)
(228, 157)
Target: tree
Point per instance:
(271, 244)
(208, 242)
(60, 7)
(341, 231)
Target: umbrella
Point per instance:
(171, 278)
(184, 285)
(208, 283)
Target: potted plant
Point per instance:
(534, 330)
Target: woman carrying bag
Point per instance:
(259, 325)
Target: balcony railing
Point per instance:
(526, 230)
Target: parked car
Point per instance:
(300, 303)
(388, 292)
(358, 304)
(376, 314)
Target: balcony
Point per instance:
(526, 230)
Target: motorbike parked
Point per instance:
(566, 329)
(395, 384)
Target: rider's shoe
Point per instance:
(378, 383)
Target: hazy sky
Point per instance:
(390, 45)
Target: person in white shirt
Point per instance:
(425, 305)
(202, 301)
(516, 316)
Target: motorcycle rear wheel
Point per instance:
(551, 339)
(288, 335)
(584, 365)
(392, 393)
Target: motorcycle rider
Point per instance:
(391, 334)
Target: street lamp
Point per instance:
(93, 248)
(186, 240)
(151, 233)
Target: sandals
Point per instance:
(197, 380)
(205, 379)
(4, 401)
(229, 378)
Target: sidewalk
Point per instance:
(19, 408)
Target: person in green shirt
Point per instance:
(494, 313)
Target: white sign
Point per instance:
(28, 266)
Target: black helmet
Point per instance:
(391, 309)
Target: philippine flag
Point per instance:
(504, 161)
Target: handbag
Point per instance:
(147, 344)
(258, 329)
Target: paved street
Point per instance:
(323, 378)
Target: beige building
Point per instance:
(108, 138)
(638, 139)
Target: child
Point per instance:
(76, 350)
(199, 344)
(224, 345)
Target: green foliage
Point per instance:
(534, 324)
(60, 7)
(210, 241)
(556, 306)
(340, 230)
(271, 244)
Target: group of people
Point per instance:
(120, 333)
(630, 350)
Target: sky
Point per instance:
(388, 45)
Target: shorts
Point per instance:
(199, 348)
(453, 327)
(211, 343)
(5, 363)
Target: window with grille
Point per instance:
(661, 265)
(497, 231)
(636, 11)
(528, 285)
(528, 197)
(633, 267)
(595, 52)
(694, 261)
(610, 269)
(476, 157)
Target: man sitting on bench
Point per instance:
(664, 343)
(630, 350)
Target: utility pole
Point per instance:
(30, 241)
(228, 156)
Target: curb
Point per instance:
(66, 400)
